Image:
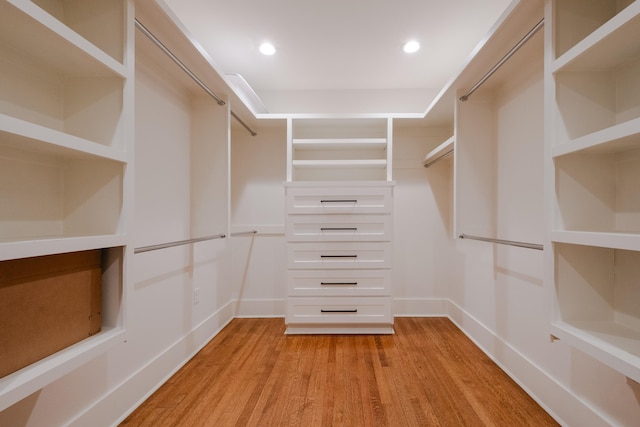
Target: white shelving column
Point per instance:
(66, 160)
(592, 174)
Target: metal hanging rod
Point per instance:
(178, 243)
(504, 59)
(244, 125)
(440, 157)
(190, 73)
(241, 233)
(504, 242)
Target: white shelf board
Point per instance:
(439, 152)
(320, 144)
(37, 34)
(22, 383)
(47, 245)
(612, 240)
(616, 42)
(23, 135)
(309, 164)
(621, 137)
(611, 343)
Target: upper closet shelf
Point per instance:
(374, 163)
(614, 240)
(47, 245)
(52, 43)
(22, 135)
(340, 144)
(609, 46)
(438, 153)
(618, 138)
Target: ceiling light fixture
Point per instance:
(411, 46)
(267, 49)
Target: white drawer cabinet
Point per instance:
(339, 247)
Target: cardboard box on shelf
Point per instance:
(47, 303)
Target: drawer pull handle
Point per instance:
(338, 228)
(338, 256)
(338, 201)
(354, 310)
(338, 283)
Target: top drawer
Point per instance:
(339, 200)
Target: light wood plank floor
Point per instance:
(427, 374)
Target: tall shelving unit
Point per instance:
(593, 169)
(65, 153)
(339, 204)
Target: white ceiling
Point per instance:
(342, 56)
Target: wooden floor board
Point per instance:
(427, 374)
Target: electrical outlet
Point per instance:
(196, 296)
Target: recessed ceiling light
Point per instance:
(411, 46)
(267, 48)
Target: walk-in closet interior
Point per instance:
(145, 203)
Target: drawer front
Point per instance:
(339, 282)
(346, 310)
(339, 255)
(332, 200)
(337, 228)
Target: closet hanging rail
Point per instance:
(177, 243)
(242, 233)
(504, 242)
(186, 69)
(437, 159)
(244, 125)
(504, 59)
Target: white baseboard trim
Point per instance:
(563, 405)
(145, 381)
(259, 308)
(420, 307)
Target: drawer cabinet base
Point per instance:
(339, 329)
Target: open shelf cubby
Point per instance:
(597, 189)
(51, 191)
(58, 82)
(575, 20)
(598, 303)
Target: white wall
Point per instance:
(422, 223)
(258, 172)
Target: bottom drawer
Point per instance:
(343, 310)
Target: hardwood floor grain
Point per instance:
(427, 374)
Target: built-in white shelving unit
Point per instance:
(339, 204)
(593, 169)
(65, 153)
